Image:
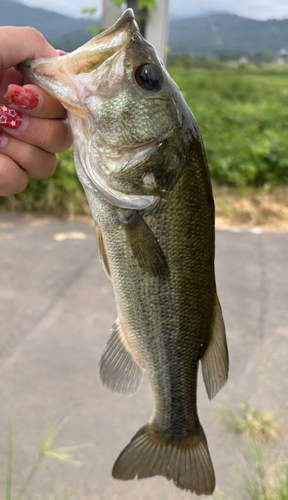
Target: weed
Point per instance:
(260, 426)
(64, 454)
(260, 481)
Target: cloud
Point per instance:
(70, 8)
(258, 9)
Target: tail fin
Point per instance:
(187, 462)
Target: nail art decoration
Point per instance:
(22, 97)
(10, 118)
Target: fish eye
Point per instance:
(148, 77)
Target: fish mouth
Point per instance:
(61, 76)
(66, 79)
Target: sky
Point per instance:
(256, 9)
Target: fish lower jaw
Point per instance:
(93, 181)
(121, 200)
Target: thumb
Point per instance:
(19, 44)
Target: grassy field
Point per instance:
(242, 111)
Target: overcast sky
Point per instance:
(257, 9)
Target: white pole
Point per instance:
(158, 26)
(110, 14)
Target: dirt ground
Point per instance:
(265, 210)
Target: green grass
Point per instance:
(64, 454)
(243, 115)
(258, 425)
(260, 480)
(242, 111)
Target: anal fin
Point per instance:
(102, 251)
(119, 372)
(215, 363)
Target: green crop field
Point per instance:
(242, 111)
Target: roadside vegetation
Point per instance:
(64, 454)
(259, 478)
(260, 426)
(242, 110)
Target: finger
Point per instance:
(53, 136)
(35, 101)
(21, 44)
(35, 161)
(13, 179)
(9, 76)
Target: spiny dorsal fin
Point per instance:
(215, 363)
(187, 463)
(145, 246)
(102, 252)
(119, 372)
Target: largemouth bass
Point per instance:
(140, 158)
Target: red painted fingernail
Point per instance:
(22, 97)
(62, 53)
(3, 139)
(12, 119)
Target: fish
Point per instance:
(140, 157)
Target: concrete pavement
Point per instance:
(56, 310)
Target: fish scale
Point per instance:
(140, 158)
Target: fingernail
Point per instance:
(3, 140)
(22, 97)
(62, 53)
(13, 119)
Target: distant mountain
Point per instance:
(197, 36)
(203, 36)
(61, 31)
(176, 16)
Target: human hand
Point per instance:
(29, 139)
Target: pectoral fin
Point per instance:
(119, 372)
(102, 252)
(145, 246)
(215, 363)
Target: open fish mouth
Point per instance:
(57, 74)
(96, 51)
(84, 79)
